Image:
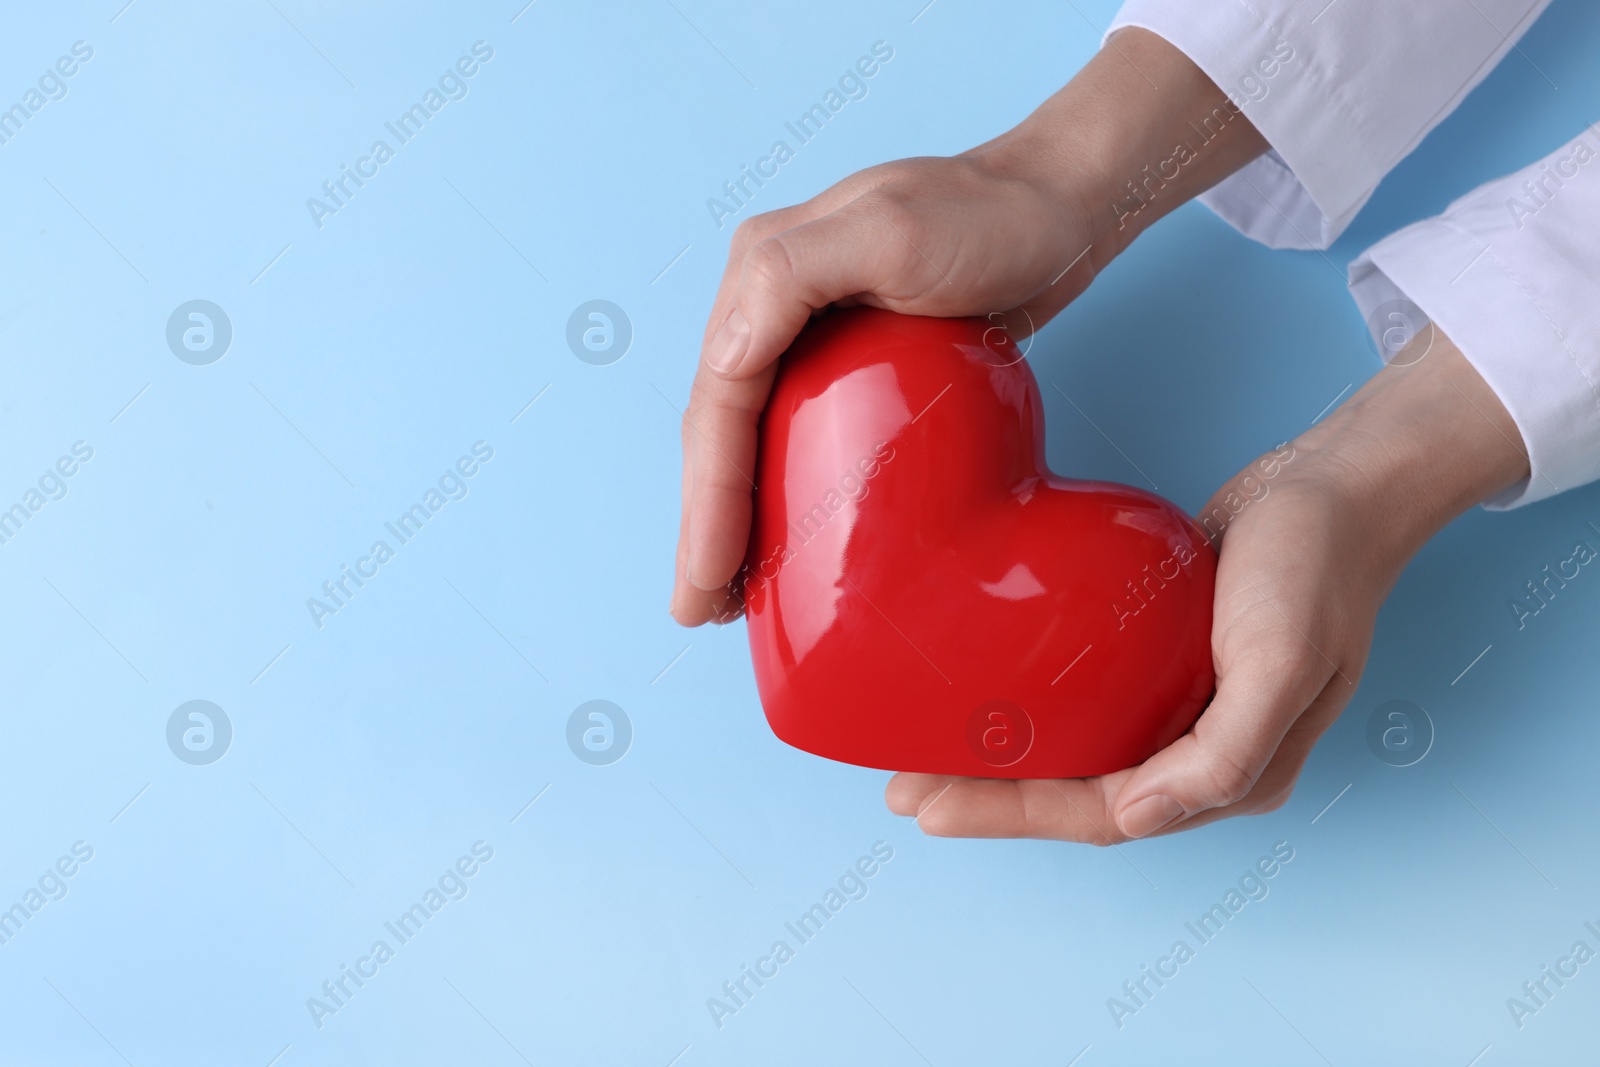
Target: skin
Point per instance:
(1021, 225)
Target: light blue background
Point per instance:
(378, 749)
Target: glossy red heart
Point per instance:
(924, 595)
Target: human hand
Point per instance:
(1014, 229)
(1313, 536)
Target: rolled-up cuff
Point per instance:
(1434, 272)
(1321, 169)
(1341, 91)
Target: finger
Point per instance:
(758, 228)
(1217, 763)
(692, 605)
(1079, 814)
(750, 233)
(723, 426)
(1272, 789)
(788, 275)
(729, 417)
(974, 807)
(907, 791)
(1072, 809)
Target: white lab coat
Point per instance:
(1343, 91)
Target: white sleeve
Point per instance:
(1342, 90)
(1511, 274)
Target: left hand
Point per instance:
(1327, 524)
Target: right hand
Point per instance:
(1013, 229)
(931, 236)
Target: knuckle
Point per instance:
(757, 228)
(745, 232)
(896, 212)
(768, 264)
(727, 409)
(1280, 648)
(1069, 821)
(694, 418)
(750, 232)
(1229, 781)
(721, 476)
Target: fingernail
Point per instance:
(728, 345)
(1149, 815)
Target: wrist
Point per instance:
(1422, 442)
(1139, 131)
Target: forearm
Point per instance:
(1137, 132)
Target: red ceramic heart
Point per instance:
(924, 595)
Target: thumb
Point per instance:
(793, 273)
(1218, 761)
